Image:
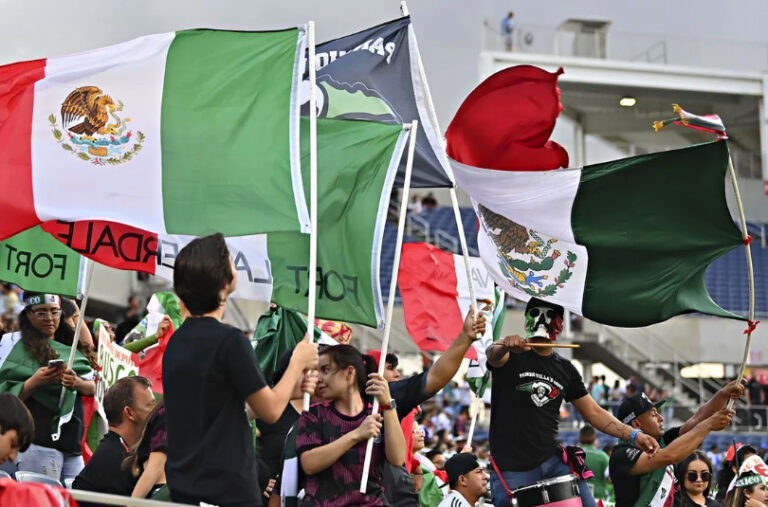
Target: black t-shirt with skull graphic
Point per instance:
(525, 407)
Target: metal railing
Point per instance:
(417, 226)
(445, 241)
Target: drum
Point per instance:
(557, 492)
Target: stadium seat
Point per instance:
(23, 476)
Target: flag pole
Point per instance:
(392, 289)
(454, 200)
(750, 273)
(312, 192)
(78, 326)
(478, 400)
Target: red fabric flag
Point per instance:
(506, 122)
(429, 287)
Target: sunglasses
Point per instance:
(692, 476)
(535, 312)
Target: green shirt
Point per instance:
(597, 461)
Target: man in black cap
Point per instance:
(529, 385)
(641, 479)
(467, 480)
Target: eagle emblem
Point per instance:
(93, 129)
(525, 258)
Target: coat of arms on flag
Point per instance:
(526, 257)
(94, 131)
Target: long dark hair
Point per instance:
(131, 462)
(347, 355)
(682, 469)
(726, 473)
(65, 333)
(37, 344)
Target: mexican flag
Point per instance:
(36, 262)
(435, 293)
(190, 132)
(624, 243)
(17, 365)
(478, 377)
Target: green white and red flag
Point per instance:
(191, 132)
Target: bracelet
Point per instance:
(633, 435)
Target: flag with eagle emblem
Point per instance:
(624, 243)
(191, 132)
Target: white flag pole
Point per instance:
(312, 191)
(471, 433)
(392, 290)
(78, 326)
(750, 273)
(454, 201)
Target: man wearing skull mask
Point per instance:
(529, 385)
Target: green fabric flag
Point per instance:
(37, 262)
(278, 331)
(478, 377)
(357, 162)
(17, 365)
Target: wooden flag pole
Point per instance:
(750, 273)
(392, 291)
(312, 192)
(78, 326)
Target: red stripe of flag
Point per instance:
(428, 287)
(17, 96)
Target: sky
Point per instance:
(451, 33)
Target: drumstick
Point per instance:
(554, 345)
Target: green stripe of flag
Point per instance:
(617, 215)
(241, 83)
(355, 175)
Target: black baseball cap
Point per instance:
(460, 464)
(635, 406)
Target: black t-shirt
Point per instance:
(409, 393)
(104, 473)
(209, 369)
(687, 501)
(623, 458)
(272, 440)
(525, 407)
(70, 440)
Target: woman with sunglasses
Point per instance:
(332, 437)
(694, 474)
(33, 367)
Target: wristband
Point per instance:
(633, 435)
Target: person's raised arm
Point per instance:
(497, 354)
(269, 404)
(448, 364)
(394, 440)
(733, 390)
(604, 421)
(683, 445)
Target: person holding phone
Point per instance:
(33, 367)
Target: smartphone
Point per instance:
(56, 363)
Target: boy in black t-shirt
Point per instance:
(209, 373)
(529, 384)
(640, 479)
